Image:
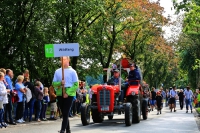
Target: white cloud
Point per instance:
(169, 11)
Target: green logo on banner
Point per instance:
(49, 50)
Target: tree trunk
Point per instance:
(74, 62)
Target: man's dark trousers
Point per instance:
(8, 110)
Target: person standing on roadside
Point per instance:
(21, 90)
(167, 98)
(172, 100)
(3, 99)
(188, 98)
(9, 106)
(152, 98)
(38, 103)
(159, 101)
(163, 94)
(181, 99)
(53, 105)
(66, 90)
(29, 108)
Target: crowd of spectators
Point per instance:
(22, 99)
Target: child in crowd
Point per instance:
(53, 105)
(159, 102)
(45, 102)
(3, 99)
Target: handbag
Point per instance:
(1, 104)
(15, 97)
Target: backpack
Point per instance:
(28, 95)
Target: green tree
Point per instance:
(190, 47)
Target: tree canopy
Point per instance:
(105, 30)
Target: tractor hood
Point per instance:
(97, 87)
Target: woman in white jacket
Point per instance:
(3, 99)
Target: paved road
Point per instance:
(167, 122)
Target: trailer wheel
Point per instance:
(96, 116)
(128, 114)
(144, 110)
(110, 117)
(85, 114)
(136, 111)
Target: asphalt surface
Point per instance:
(167, 122)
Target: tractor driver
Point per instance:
(133, 75)
(114, 80)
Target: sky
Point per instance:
(168, 6)
(169, 11)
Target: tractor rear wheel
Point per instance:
(85, 114)
(128, 114)
(96, 116)
(144, 110)
(136, 111)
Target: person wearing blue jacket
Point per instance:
(134, 74)
(9, 106)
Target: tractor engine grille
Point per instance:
(104, 97)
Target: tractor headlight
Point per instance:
(133, 93)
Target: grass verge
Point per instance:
(198, 110)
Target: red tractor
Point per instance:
(105, 102)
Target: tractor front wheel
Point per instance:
(144, 110)
(136, 111)
(128, 114)
(85, 114)
(96, 116)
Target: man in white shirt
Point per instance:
(188, 98)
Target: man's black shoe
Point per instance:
(68, 131)
(12, 123)
(119, 112)
(52, 118)
(61, 131)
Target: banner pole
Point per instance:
(62, 68)
(63, 87)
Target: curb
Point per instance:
(41, 122)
